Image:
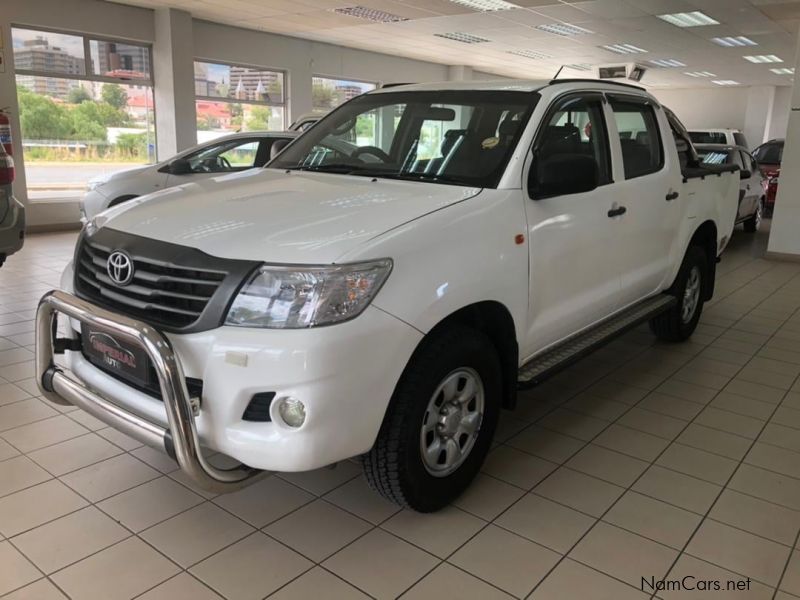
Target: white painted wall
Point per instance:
(780, 113)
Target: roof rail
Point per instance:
(584, 80)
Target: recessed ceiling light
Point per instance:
(725, 82)
(763, 58)
(486, 5)
(730, 42)
(700, 74)
(783, 71)
(624, 49)
(565, 29)
(370, 14)
(667, 63)
(579, 66)
(530, 54)
(689, 19)
(465, 38)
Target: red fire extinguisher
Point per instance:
(5, 131)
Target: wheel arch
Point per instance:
(494, 320)
(705, 237)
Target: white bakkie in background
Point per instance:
(388, 300)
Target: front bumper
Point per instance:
(344, 374)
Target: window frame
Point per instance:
(555, 106)
(88, 74)
(649, 104)
(225, 63)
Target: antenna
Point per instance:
(561, 68)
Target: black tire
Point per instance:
(753, 223)
(395, 467)
(672, 325)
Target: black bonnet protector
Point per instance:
(173, 287)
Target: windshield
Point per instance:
(708, 137)
(769, 154)
(451, 137)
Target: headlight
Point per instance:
(288, 297)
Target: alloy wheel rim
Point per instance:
(691, 295)
(452, 422)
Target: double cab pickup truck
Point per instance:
(387, 301)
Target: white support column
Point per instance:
(758, 114)
(784, 237)
(173, 73)
(459, 73)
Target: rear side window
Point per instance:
(769, 154)
(740, 140)
(639, 137)
(708, 137)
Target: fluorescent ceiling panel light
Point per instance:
(370, 14)
(530, 54)
(783, 71)
(565, 29)
(464, 38)
(700, 74)
(725, 82)
(486, 5)
(579, 67)
(624, 49)
(689, 19)
(763, 58)
(731, 42)
(667, 63)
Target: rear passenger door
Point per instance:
(648, 186)
(573, 238)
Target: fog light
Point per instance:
(292, 411)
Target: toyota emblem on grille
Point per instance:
(120, 268)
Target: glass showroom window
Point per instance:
(231, 98)
(329, 93)
(86, 109)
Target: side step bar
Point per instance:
(576, 347)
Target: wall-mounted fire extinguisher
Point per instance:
(5, 131)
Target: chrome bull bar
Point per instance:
(180, 440)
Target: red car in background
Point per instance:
(769, 156)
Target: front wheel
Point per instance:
(679, 322)
(752, 224)
(440, 422)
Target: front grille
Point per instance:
(174, 287)
(169, 295)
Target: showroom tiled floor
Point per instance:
(645, 460)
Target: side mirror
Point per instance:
(180, 166)
(563, 174)
(745, 174)
(277, 147)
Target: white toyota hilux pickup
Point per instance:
(388, 302)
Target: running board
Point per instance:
(576, 347)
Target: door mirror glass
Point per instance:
(180, 166)
(562, 174)
(277, 146)
(745, 174)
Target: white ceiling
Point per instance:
(772, 24)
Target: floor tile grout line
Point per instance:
(786, 565)
(728, 481)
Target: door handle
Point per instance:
(616, 212)
(672, 196)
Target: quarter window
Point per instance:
(639, 137)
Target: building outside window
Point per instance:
(86, 109)
(231, 98)
(327, 93)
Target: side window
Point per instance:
(224, 157)
(242, 156)
(639, 137)
(739, 140)
(575, 128)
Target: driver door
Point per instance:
(218, 159)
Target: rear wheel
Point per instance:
(753, 224)
(678, 323)
(440, 422)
